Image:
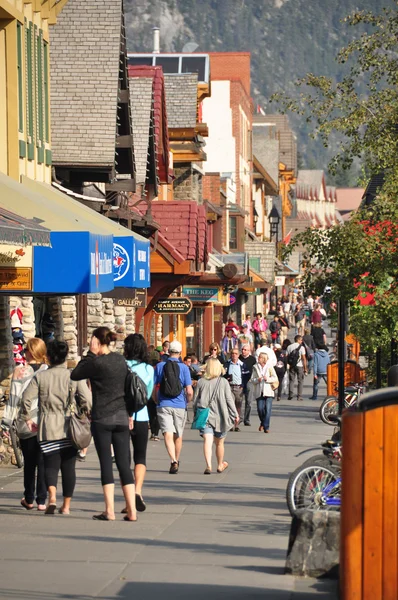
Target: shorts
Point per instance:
(172, 420)
(217, 434)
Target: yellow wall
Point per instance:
(21, 153)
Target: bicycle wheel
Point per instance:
(16, 447)
(306, 484)
(329, 407)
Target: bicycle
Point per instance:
(330, 405)
(10, 438)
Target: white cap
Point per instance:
(175, 346)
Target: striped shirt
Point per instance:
(49, 447)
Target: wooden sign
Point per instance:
(173, 306)
(16, 279)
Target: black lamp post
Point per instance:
(274, 220)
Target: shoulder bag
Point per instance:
(79, 430)
(202, 414)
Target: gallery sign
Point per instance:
(138, 299)
(173, 306)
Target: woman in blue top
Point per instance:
(137, 358)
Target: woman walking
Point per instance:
(56, 394)
(263, 377)
(107, 372)
(33, 470)
(137, 358)
(214, 391)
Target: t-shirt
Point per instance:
(302, 352)
(185, 378)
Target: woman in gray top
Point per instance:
(214, 391)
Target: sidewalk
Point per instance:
(218, 536)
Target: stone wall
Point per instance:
(102, 311)
(187, 184)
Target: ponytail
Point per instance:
(105, 336)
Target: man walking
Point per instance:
(321, 361)
(174, 386)
(248, 363)
(297, 361)
(233, 372)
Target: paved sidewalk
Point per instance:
(218, 536)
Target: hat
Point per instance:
(277, 346)
(175, 346)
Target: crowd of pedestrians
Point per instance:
(255, 363)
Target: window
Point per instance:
(39, 86)
(20, 77)
(169, 64)
(29, 95)
(233, 233)
(254, 263)
(139, 61)
(46, 94)
(195, 65)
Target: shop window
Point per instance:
(254, 263)
(233, 233)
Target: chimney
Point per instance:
(156, 40)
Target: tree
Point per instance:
(362, 255)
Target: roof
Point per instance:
(348, 199)
(85, 82)
(181, 100)
(148, 108)
(286, 136)
(312, 177)
(18, 231)
(372, 189)
(266, 151)
(184, 225)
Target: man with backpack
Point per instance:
(297, 362)
(174, 385)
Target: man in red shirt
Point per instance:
(316, 316)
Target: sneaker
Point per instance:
(81, 457)
(248, 424)
(237, 429)
(173, 468)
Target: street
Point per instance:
(218, 536)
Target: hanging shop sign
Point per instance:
(232, 299)
(280, 280)
(131, 267)
(138, 299)
(173, 306)
(201, 294)
(15, 268)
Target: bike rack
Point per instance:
(369, 511)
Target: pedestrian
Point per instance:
(154, 355)
(234, 374)
(321, 361)
(248, 322)
(286, 306)
(174, 385)
(33, 468)
(107, 372)
(318, 334)
(281, 366)
(316, 316)
(310, 302)
(229, 343)
(310, 348)
(300, 319)
(297, 362)
(245, 338)
(213, 391)
(260, 326)
(248, 361)
(232, 326)
(265, 349)
(137, 358)
(285, 326)
(164, 355)
(275, 328)
(263, 381)
(56, 396)
(215, 352)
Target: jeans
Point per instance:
(316, 384)
(310, 365)
(248, 406)
(264, 408)
(293, 371)
(33, 459)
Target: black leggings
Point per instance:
(64, 459)
(153, 418)
(139, 437)
(119, 437)
(33, 461)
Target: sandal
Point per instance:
(101, 517)
(207, 471)
(224, 466)
(50, 510)
(62, 512)
(41, 507)
(26, 505)
(131, 520)
(139, 503)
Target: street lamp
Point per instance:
(274, 220)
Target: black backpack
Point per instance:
(135, 393)
(171, 386)
(294, 356)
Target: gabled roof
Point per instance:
(286, 136)
(150, 122)
(184, 225)
(313, 178)
(85, 52)
(348, 199)
(181, 100)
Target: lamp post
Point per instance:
(274, 220)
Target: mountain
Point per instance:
(287, 39)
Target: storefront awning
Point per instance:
(131, 251)
(255, 281)
(80, 257)
(18, 231)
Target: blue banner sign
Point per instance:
(131, 266)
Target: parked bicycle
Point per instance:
(316, 484)
(330, 406)
(11, 439)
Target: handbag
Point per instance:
(274, 385)
(79, 430)
(202, 414)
